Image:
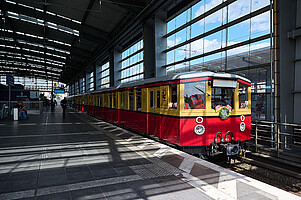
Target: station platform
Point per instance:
(80, 157)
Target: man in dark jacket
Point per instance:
(64, 105)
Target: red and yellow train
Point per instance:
(204, 113)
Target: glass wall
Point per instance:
(103, 76)
(34, 83)
(76, 87)
(90, 81)
(82, 87)
(220, 35)
(132, 63)
(71, 89)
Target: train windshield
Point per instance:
(195, 95)
(222, 96)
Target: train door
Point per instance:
(155, 106)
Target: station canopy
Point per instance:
(54, 39)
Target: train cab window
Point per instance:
(173, 97)
(131, 98)
(243, 96)
(195, 95)
(222, 96)
(158, 99)
(138, 99)
(151, 98)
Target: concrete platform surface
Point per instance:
(79, 157)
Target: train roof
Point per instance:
(176, 76)
(172, 77)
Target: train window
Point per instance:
(105, 99)
(158, 99)
(195, 95)
(109, 100)
(222, 96)
(121, 99)
(173, 97)
(243, 96)
(131, 97)
(151, 96)
(138, 99)
(114, 101)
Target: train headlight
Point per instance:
(199, 129)
(242, 126)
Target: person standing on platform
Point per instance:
(22, 110)
(64, 105)
(258, 109)
(52, 104)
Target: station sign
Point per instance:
(59, 91)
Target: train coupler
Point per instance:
(230, 149)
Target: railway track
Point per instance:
(286, 176)
(277, 165)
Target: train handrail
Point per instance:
(215, 138)
(232, 137)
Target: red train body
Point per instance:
(201, 112)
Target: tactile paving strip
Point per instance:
(143, 172)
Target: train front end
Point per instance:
(215, 119)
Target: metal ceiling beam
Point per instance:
(124, 31)
(2, 65)
(54, 19)
(44, 29)
(84, 18)
(29, 62)
(71, 63)
(75, 50)
(91, 3)
(30, 53)
(35, 48)
(4, 13)
(3, 73)
(66, 77)
(23, 72)
(130, 5)
(32, 29)
(38, 30)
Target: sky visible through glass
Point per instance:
(132, 63)
(248, 29)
